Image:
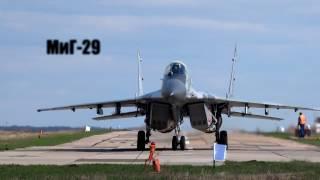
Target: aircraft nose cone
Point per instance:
(173, 89)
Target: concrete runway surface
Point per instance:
(120, 147)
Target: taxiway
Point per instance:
(120, 147)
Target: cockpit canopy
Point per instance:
(175, 68)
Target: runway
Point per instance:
(120, 147)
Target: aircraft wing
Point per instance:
(139, 102)
(119, 116)
(238, 103)
(227, 104)
(249, 115)
(106, 104)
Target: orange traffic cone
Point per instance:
(156, 165)
(151, 158)
(152, 151)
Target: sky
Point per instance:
(278, 59)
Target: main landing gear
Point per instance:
(141, 141)
(222, 138)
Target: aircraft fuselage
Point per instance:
(167, 115)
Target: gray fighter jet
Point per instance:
(164, 110)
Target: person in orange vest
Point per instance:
(301, 123)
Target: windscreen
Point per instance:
(175, 68)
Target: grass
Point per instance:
(50, 139)
(231, 170)
(313, 140)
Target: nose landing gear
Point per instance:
(176, 141)
(182, 143)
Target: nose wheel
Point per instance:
(182, 143)
(176, 141)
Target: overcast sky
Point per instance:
(278, 47)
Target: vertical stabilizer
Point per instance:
(140, 77)
(232, 75)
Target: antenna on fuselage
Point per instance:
(232, 75)
(140, 77)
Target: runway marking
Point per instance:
(136, 157)
(103, 141)
(276, 153)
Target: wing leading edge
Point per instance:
(106, 104)
(248, 104)
(140, 103)
(249, 115)
(228, 104)
(119, 116)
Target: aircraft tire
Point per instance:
(174, 143)
(141, 140)
(182, 143)
(223, 138)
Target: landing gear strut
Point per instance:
(148, 134)
(221, 136)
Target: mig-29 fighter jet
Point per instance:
(165, 109)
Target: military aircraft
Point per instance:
(165, 109)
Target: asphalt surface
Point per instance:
(120, 147)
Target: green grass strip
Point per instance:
(46, 140)
(231, 170)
